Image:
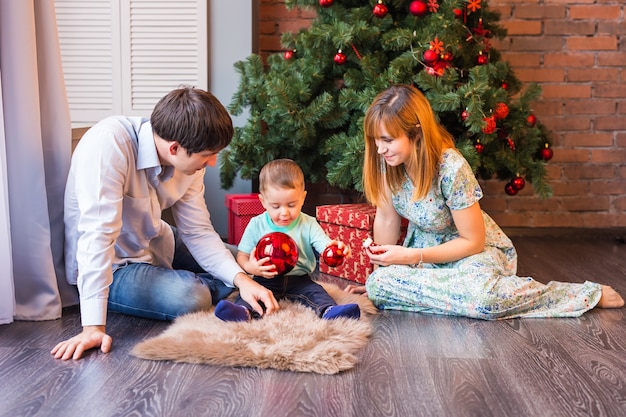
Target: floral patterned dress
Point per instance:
(483, 286)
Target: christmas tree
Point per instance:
(308, 103)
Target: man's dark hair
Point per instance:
(194, 118)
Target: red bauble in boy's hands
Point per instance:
(333, 255)
(281, 249)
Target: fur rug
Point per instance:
(293, 339)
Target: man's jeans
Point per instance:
(153, 292)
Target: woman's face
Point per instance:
(395, 150)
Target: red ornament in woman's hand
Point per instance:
(368, 244)
(333, 255)
(281, 249)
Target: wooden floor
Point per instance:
(415, 365)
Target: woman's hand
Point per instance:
(385, 255)
(356, 289)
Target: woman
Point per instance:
(455, 259)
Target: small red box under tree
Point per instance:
(351, 224)
(241, 208)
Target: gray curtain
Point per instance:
(35, 156)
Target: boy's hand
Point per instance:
(346, 249)
(261, 267)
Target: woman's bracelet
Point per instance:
(420, 264)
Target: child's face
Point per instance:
(283, 204)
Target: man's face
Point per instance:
(190, 164)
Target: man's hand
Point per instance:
(253, 292)
(90, 337)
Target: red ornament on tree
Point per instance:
(458, 13)
(280, 248)
(430, 57)
(490, 126)
(288, 54)
(501, 111)
(418, 8)
(510, 189)
(546, 152)
(482, 59)
(479, 147)
(340, 58)
(511, 144)
(505, 86)
(464, 115)
(531, 120)
(333, 256)
(518, 182)
(326, 3)
(380, 10)
(440, 67)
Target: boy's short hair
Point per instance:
(283, 173)
(194, 118)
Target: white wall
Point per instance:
(230, 40)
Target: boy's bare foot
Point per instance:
(610, 298)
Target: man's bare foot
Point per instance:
(610, 298)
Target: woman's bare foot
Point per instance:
(610, 298)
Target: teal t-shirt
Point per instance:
(305, 230)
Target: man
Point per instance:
(124, 172)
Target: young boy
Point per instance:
(281, 188)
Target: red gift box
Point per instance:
(241, 208)
(351, 224)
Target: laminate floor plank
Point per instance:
(414, 365)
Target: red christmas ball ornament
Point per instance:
(333, 256)
(518, 182)
(505, 85)
(340, 58)
(531, 120)
(369, 243)
(490, 125)
(458, 13)
(511, 144)
(430, 57)
(447, 56)
(464, 115)
(482, 59)
(288, 54)
(280, 248)
(440, 67)
(326, 3)
(546, 152)
(380, 10)
(501, 111)
(479, 147)
(510, 189)
(418, 8)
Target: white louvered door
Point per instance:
(121, 56)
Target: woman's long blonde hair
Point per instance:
(402, 109)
